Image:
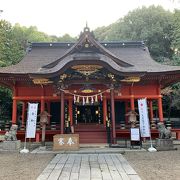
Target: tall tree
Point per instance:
(152, 24)
(10, 51)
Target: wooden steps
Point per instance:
(91, 133)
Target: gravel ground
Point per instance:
(164, 165)
(14, 166)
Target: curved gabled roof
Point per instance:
(122, 57)
(87, 38)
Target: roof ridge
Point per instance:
(87, 37)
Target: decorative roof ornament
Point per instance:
(131, 79)
(42, 81)
(86, 29)
(87, 69)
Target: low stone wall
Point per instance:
(11, 145)
(164, 144)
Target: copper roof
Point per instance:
(122, 57)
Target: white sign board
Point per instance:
(144, 120)
(135, 136)
(31, 120)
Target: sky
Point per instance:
(58, 17)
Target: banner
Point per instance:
(31, 120)
(144, 120)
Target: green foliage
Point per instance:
(176, 31)
(5, 103)
(14, 41)
(152, 24)
(10, 52)
(66, 38)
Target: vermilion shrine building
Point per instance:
(88, 85)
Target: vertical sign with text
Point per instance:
(31, 120)
(144, 120)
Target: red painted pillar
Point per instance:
(132, 103)
(62, 112)
(23, 113)
(71, 111)
(42, 100)
(151, 110)
(14, 106)
(132, 98)
(14, 112)
(104, 110)
(160, 110)
(126, 110)
(113, 116)
(42, 104)
(49, 111)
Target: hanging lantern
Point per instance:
(83, 100)
(77, 99)
(96, 98)
(92, 99)
(87, 100)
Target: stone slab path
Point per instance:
(88, 167)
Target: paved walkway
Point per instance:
(88, 167)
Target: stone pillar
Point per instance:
(70, 108)
(62, 112)
(104, 110)
(113, 116)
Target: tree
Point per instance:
(10, 51)
(66, 38)
(5, 103)
(152, 24)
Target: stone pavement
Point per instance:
(88, 167)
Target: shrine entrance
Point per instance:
(87, 114)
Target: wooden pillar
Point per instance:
(23, 113)
(104, 110)
(62, 112)
(126, 110)
(14, 112)
(42, 104)
(113, 116)
(132, 98)
(14, 106)
(151, 110)
(42, 100)
(132, 103)
(160, 110)
(49, 111)
(71, 111)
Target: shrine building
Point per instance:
(88, 85)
